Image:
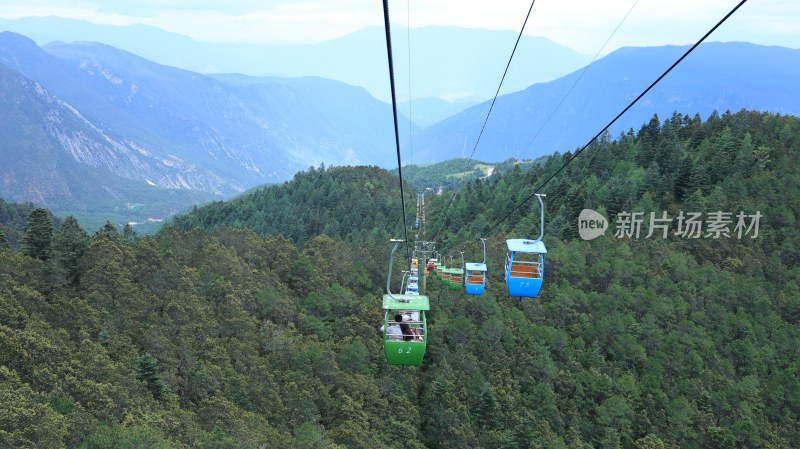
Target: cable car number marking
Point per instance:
(400, 350)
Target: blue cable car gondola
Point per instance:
(524, 269)
(413, 285)
(475, 282)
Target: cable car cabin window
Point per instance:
(526, 266)
(410, 329)
(474, 277)
(456, 278)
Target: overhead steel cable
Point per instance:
(505, 72)
(580, 77)
(394, 112)
(410, 98)
(488, 113)
(569, 91)
(675, 64)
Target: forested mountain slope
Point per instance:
(226, 338)
(353, 203)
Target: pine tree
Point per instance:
(653, 180)
(38, 234)
(69, 245)
(683, 180)
(148, 372)
(128, 233)
(648, 136)
(488, 410)
(108, 231)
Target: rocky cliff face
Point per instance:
(46, 136)
(88, 111)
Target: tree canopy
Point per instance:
(210, 335)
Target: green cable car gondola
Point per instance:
(445, 274)
(405, 332)
(456, 281)
(405, 345)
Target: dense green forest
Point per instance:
(209, 336)
(353, 203)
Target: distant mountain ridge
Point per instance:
(91, 127)
(428, 111)
(447, 62)
(92, 108)
(529, 123)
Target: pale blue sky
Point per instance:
(580, 24)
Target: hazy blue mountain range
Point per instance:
(716, 76)
(92, 108)
(424, 112)
(91, 127)
(446, 62)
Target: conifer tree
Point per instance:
(69, 245)
(128, 233)
(38, 234)
(108, 231)
(488, 409)
(149, 373)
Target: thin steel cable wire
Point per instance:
(394, 112)
(571, 88)
(675, 64)
(488, 113)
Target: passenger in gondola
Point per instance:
(395, 331)
(408, 334)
